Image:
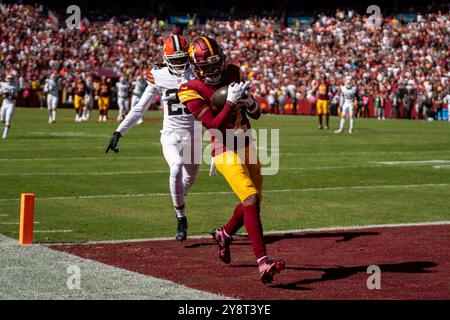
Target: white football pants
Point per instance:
(182, 173)
(7, 111)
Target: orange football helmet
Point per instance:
(175, 54)
(207, 59)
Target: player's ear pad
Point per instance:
(219, 97)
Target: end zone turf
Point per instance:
(414, 263)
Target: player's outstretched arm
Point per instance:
(138, 110)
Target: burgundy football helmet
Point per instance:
(207, 59)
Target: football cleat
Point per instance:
(338, 131)
(181, 229)
(223, 241)
(269, 268)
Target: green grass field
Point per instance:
(324, 179)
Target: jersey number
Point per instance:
(174, 107)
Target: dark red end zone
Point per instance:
(414, 261)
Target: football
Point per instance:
(219, 97)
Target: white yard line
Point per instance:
(108, 173)
(337, 228)
(406, 162)
(442, 167)
(52, 231)
(7, 223)
(4, 215)
(159, 194)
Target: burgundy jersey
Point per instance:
(80, 88)
(196, 95)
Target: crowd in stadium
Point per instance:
(405, 63)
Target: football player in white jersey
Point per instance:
(123, 88)
(88, 99)
(177, 133)
(9, 91)
(138, 89)
(348, 94)
(52, 88)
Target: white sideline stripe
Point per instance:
(204, 170)
(159, 194)
(337, 228)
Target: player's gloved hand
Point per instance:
(246, 99)
(113, 142)
(235, 91)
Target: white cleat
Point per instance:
(350, 131)
(140, 121)
(338, 131)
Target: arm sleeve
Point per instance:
(207, 118)
(138, 110)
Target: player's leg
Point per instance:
(351, 119)
(106, 108)
(52, 104)
(172, 154)
(8, 110)
(327, 114)
(240, 181)
(80, 109)
(87, 101)
(345, 110)
(120, 105)
(319, 106)
(77, 105)
(49, 107)
(2, 113)
(54, 107)
(127, 107)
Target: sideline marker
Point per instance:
(26, 218)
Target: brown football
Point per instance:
(219, 97)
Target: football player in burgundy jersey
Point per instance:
(244, 177)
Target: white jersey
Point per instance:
(51, 87)
(9, 92)
(348, 95)
(122, 89)
(162, 82)
(139, 88)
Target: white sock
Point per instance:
(351, 123)
(261, 259)
(5, 132)
(226, 234)
(180, 213)
(53, 115)
(342, 124)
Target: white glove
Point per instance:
(235, 92)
